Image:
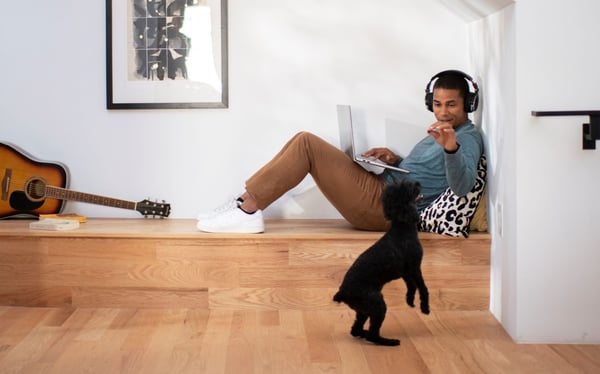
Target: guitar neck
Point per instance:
(64, 194)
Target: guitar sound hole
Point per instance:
(35, 189)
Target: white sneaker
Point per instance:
(233, 220)
(233, 202)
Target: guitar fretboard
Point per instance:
(63, 194)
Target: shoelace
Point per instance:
(233, 202)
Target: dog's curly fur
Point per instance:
(397, 254)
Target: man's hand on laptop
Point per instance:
(383, 154)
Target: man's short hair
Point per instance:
(453, 81)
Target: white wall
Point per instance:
(542, 55)
(290, 63)
(557, 181)
(492, 46)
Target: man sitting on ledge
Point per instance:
(446, 157)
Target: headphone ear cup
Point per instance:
(429, 101)
(472, 102)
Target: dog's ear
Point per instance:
(416, 189)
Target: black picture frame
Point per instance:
(166, 54)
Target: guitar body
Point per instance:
(22, 177)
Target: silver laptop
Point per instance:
(344, 114)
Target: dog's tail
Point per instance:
(338, 297)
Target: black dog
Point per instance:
(397, 254)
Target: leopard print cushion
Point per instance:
(450, 214)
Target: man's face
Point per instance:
(448, 106)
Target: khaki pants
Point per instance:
(353, 191)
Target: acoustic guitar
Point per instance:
(31, 187)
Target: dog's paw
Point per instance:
(379, 340)
(410, 297)
(424, 308)
(358, 332)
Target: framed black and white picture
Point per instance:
(166, 54)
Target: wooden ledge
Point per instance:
(186, 229)
(146, 263)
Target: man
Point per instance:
(446, 157)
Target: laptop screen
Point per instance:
(344, 115)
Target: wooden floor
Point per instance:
(106, 340)
(156, 296)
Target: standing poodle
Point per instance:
(397, 254)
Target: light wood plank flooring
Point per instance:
(106, 340)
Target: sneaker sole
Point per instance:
(242, 230)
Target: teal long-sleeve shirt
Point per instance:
(436, 170)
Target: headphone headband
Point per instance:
(472, 96)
